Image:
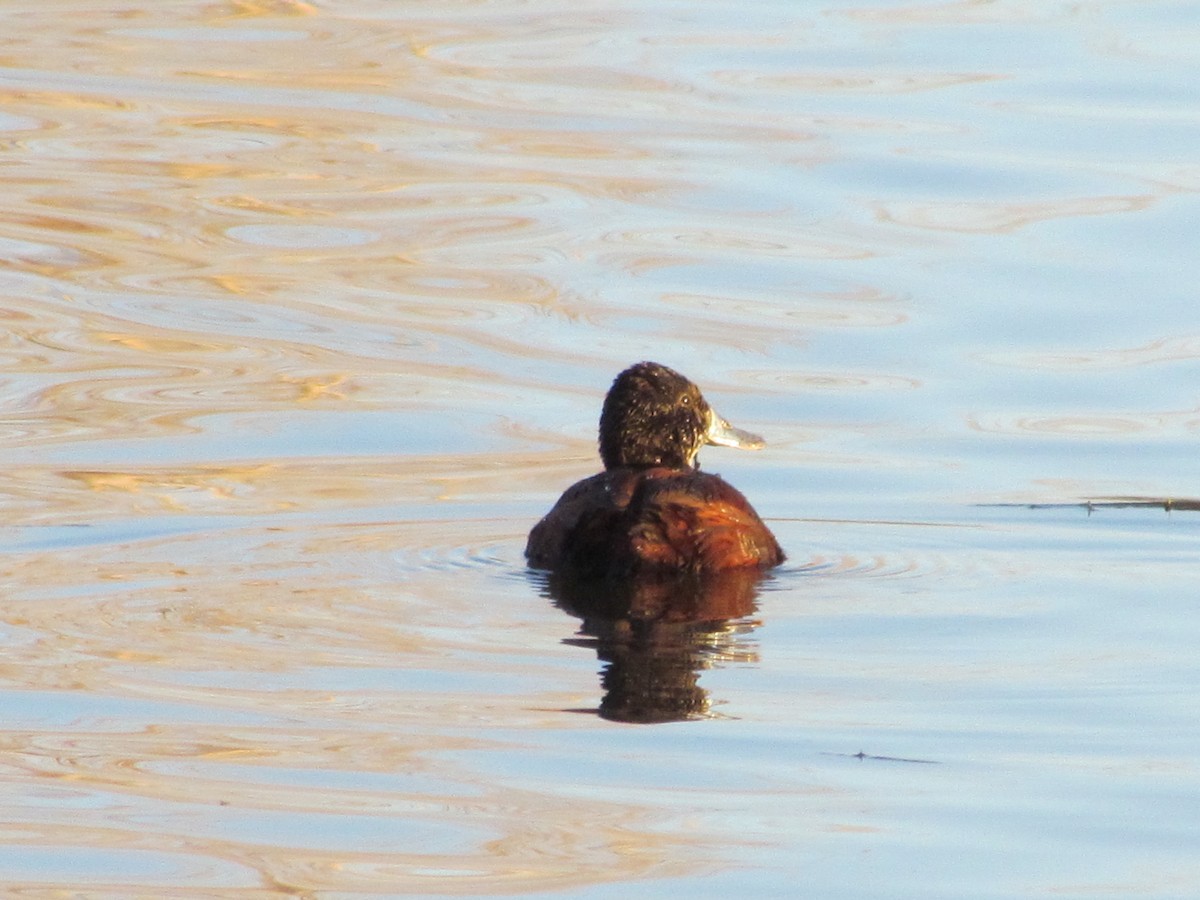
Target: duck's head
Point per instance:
(653, 416)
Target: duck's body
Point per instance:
(652, 510)
(625, 521)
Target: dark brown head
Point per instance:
(653, 416)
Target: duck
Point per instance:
(652, 511)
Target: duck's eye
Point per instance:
(686, 401)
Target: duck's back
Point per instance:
(625, 521)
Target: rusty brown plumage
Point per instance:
(640, 515)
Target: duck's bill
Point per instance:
(723, 434)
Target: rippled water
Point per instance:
(308, 310)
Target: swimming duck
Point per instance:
(652, 509)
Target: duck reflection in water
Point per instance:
(654, 555)
(656, 635)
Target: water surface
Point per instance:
(308, 312)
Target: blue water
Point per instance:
(309, 311)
